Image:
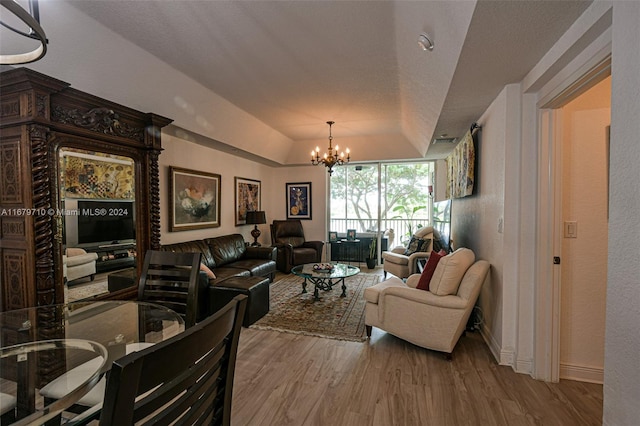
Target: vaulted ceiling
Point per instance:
(294, 65)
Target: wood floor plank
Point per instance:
(287, 379)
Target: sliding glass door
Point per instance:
(388, 200)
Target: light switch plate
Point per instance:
(570, 229)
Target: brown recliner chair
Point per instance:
(288, 237)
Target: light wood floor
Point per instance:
(287, 379)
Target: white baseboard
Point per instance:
(582, 373)
(506, 356)
(524, 366)
(503, 357)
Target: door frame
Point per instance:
(546, 364)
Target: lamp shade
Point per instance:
(256, 217)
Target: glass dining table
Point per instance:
(53, 358)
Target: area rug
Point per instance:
(83, 291)
(332, 316)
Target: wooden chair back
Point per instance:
(172, 280)
(187, 379)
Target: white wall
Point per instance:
(584, 264)
(440, 189)
(622, 375)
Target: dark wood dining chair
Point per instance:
(187, 379)
(173, 280)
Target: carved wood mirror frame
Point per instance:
(39, 115)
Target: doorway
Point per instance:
(583, 134)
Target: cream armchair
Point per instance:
(77, 263)
(401, 265)
(435, 318)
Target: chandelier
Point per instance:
(31, 29)
(331, 157)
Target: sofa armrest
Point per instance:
(263, 252)
(424, 297)
(317, 245)
(398, 249)
(413, 260)
(283, 246)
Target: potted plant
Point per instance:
(371, 260)
(408, 215)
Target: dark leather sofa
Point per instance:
(228, 256)
(239, 269)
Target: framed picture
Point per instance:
(247, 198)
(299, 200)
(351, 234)
(195, 200)
(333, 236)
(94, 176)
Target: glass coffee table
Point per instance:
(324, 279)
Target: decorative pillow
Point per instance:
(429, 269)
(204, 268)
(417, 244)
(450, 270)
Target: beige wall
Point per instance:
(189, 155)
(584, 264)
(622, 339)
(182, 153)
(475, 220)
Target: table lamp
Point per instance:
(256, 218)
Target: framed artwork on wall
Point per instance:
(194, 198)
(247, 198)
(299, 200)
(461, 168)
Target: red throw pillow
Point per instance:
(428, 271)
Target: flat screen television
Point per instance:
(106, 221)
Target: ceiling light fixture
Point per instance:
(331, 157)
(32, 20)
(425, 42)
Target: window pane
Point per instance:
(403, 190)
(406, 201)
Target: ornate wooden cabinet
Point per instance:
(38, 116)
